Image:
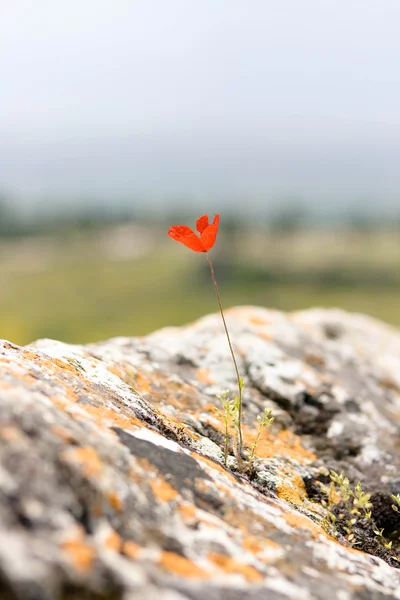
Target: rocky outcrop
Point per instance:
(112, 482)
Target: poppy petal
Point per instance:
(202, 223)
(209, 234)
(187, 237)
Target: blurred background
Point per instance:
(119, 119)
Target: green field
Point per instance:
(82, 288)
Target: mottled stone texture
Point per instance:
(112, 482)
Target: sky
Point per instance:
(213, 102)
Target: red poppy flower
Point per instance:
(187, 237)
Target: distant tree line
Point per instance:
(283, 220)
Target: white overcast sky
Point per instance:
(205, 100)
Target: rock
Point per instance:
(112, 482)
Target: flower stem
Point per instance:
(240, 441)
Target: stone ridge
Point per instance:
(112, 483)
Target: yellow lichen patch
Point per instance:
(29, 354)
(80, 554)
(230, 565)
(115, 501)
(86, 457)
(285, 443)
(110, 418)
(252, 544)
(204, 376)
(63, 403)
(299, 521)
(62, 433)
(66, 365)
(142, 383)
(117, 371)
(113, 541)
(71, 395)
(188, 512)
(166, 390)
(146, 465)
(266, 550)
(27, 379)
(291, 488)
(259, 320)
(266, 336)
(131, 549)
(162, 490)
(179, 565)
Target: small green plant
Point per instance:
(397, 500)
(357, 505)
(263, 423)
(230, 414)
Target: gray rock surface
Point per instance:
(112, 483)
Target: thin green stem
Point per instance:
(226, 441)
(232, 353)
(253, 450)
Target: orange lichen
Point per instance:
(267, 550)
(81, 555)
(166, 390)
(252, 544)
(65, 365)
(285, 443)
(70, 394)
(131, 549)
(113, 541)
(230, 565)
(62, 433)
(142, 383)
(86, 457)
(110, 418)
(297, 521)
(147, 467)
(259, 320)
(179, 565)
(115, 501)
(188, 512)
(114, 370)
(291, 488)
(162, 490)
(204, 376)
